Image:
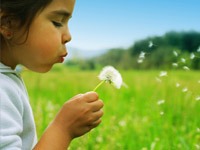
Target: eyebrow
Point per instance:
(62, 13)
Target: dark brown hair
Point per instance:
(20, 11)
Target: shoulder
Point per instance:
(9, 94)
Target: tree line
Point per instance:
(171, 50)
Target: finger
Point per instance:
(77, 96)
(95, 124)
(91, 96)
(94, 117)
(97, 105)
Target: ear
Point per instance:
(5, 27)
(6, 33)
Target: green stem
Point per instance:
(98, 85)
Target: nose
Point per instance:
(66, 37)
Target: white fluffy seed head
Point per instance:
(111, 75)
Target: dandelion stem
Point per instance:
(98, 85)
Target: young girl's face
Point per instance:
(47, 37)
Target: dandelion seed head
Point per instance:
(111, 75)
(186, 68)
(163, 73)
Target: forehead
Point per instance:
(66, 6)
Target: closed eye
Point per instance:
(57, 24)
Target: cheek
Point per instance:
(46, 44)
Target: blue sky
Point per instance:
(105, 24)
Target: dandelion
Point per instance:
(163, 73)
(111, 75)
(192, 56)
(186, 68)
(161, 102)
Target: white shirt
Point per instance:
(17, 127)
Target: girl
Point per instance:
(34, 34)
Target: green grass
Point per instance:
(132, 118)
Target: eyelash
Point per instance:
(57, 24)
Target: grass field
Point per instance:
(153, 113)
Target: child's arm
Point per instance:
(77, 117)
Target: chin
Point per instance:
(41, 69)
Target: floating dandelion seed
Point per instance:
(183, 60)
(150, 44)
(161, 113)
(198, 50)
(142, 55)
(197, 146)
(178, 85)
(111, 75)
(175, 53)
(185, 89)
(158, 79)
(192, 56)
(163, 73)
(174, 64)
(186, 68)
(99, 139)
(140, 61)
(161, 102)
(122, 123)
(197, 98)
